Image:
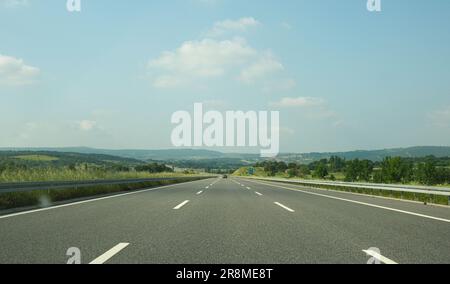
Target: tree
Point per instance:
(357, 170)
(443, 175)
(321, 171)
(281, 167)
(292, 173)
(292, 166)
(352, 170)
(303, 170)
(427, 174)
(378, 176)
(337, 164)
(270, 168)
(154, 168)
(366, 169)
(395, 170)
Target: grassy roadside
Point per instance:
(45, 198)
(65, 174)
(419, 197)
(338, 176)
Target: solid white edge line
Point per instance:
(109, 254)
(93, 200)
(362, 203)
(179, 206)
(284, 207)
(378, 256)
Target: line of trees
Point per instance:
(428, 171)
(154, 168)
(10, 166)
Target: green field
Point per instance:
(63, 174)
(32, 166)
(36, 158)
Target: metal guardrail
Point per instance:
(401, 186)
(388, 187)
(62, 185)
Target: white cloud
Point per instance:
(14, 71)
(206, 58)
(234, 26)
(14, 3)
(197, 62)
(311, 109)
(281, 85)
(167, 81)
(298, 102)
(264, 66)
(87, 125)
(209, 58)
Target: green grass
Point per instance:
(66, 174)
(45, 198)
(340, 176)
(36, 158)
(426, 198)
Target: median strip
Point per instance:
(109, 254)
(181, 205)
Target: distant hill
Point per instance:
(374, 155)
(235, 158)
(56, 158)
(147, 155)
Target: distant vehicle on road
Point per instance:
(225, 176)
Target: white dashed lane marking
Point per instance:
(181, 205)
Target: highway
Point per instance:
(230, 221)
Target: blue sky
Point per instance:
(112, 75)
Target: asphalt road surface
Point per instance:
(230, 221)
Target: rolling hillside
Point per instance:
(200, 154)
